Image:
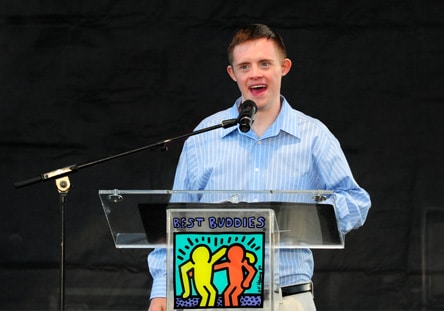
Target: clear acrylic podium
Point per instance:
(222, 247)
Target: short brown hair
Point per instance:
(253, 32)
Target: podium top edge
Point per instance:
(141, 191)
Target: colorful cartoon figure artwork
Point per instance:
(200, 268)
(219, 270)
(237, 263)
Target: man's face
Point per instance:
(258, 68)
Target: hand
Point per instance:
(157, 304)
(246, 284)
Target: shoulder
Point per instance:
(303, 125)
(206, 138)
(216, 118)
(311, 122)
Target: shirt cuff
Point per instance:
(158, 289)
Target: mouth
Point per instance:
(258, 89)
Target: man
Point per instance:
(284, 150)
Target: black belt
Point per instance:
(296, 289)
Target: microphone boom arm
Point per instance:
(67, 170)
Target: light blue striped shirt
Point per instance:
(297, 152)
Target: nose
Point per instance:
(255, 71)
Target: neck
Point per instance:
(264, 119)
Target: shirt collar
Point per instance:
(233, 113)
(286, 120)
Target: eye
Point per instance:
(265, 64)
(244, 67)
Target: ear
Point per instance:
(230, 71)
(286, 66)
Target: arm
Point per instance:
(219, 254)
(352, 201)
(157, 267)
(184, 269)
(250, 275)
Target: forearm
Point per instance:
(352, 206)
(157, 267)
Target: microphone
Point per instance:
(246, 115)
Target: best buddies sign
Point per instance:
(218, 260)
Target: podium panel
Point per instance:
(221, 258)
(137, 218)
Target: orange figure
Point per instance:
(238, 262)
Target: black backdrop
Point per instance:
(80, 80)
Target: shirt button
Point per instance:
(256, 170)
